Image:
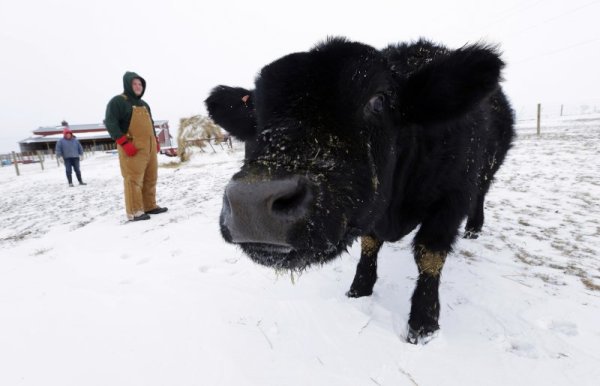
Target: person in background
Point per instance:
(69, 148)
(129, 122)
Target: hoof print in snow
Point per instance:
(563, 327)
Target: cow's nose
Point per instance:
(265, 211)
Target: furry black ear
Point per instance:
(232, 108)
(451, 85)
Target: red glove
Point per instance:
(128, 147)
(157, 145)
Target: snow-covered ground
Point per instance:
(88, 299)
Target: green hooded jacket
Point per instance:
(118, 110)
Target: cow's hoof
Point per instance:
(423, 335)
(356, 293)
(471, 235)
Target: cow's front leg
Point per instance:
(432, 243)
(366, 270)
(425, 308)
(475, 218)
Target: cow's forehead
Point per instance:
(314, 68)
(317, 82)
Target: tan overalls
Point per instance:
(140, 171)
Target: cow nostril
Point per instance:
(291, 203)
(264, 212)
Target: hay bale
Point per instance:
(196, 131)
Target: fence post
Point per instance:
(539, 110)
(39, 154)
(16, 163)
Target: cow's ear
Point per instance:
(232, 108)
(451, 85)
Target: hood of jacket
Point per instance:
(127, 89)
(67, 131)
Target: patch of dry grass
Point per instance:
(171, 165)
(590, 284)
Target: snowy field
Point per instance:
(88, 299)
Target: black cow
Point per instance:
(347, 141)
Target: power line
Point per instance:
(500, 16)
(555, 17)
(583, 43)
(512, 11)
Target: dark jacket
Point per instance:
(68, 148)
(118, 110)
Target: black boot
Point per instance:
(143, 216)
(157, 210)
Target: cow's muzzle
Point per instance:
(264, 212)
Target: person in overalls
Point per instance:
(129, 122)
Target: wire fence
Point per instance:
(41, 157)
(556, 110)
(523, 113)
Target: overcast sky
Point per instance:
(65, 59)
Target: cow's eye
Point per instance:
(376, 103)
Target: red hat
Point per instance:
(66, 131)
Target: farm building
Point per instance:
(91, 136)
